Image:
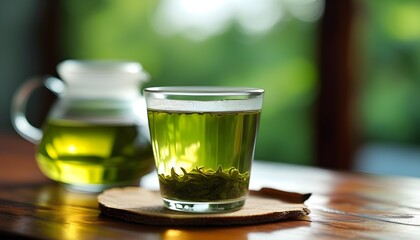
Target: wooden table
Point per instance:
(343, 205)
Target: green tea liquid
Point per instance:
(92, 157)
(214, 145)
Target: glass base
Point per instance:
(203, 207)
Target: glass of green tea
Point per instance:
(203, 141)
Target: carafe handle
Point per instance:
(20, 99)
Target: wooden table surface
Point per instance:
(343, 205)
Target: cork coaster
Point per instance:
(143, 206)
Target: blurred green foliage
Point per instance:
(389, 35)
(280, 61)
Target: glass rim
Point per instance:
(204, 98)
(205, 91)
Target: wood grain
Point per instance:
(343, 206)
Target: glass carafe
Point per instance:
(96, 134)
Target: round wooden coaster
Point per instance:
(143, 206)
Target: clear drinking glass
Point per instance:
(203, 141)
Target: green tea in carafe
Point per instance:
(93, 157)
